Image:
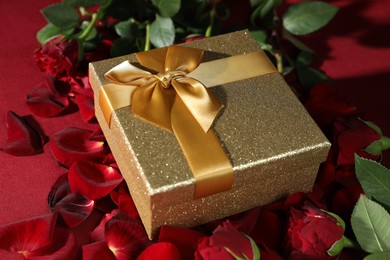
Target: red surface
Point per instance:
(354, 48)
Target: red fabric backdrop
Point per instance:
(354, 50)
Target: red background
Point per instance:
(354, 49)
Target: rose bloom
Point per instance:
(57, 57)
(312, 232)
(224, 236)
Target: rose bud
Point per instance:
(315, 233)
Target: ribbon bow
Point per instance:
(157, 95)
(171, 100)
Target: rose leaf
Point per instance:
(371, 225)
(374, 178)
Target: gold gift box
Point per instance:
(273, 144)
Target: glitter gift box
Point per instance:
(273, 145)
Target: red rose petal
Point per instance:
(92, 179)
(63, 247)
(98, 250)
(268, 229)
(161, 250)
(21, 139)
(86, 106)
(59, 190)
(44, 103)
(126, 238)
(122, 198)
(98, 234)
(28, 235)
(74, 209)
(71, 144)
(186, 240)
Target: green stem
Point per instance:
(147, 37)
(210, 27)
(89, 28)
(348, 243)
(279, 62)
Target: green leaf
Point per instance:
(47, 33)
(162, 32)
(374, 178)
(378, 256)
(61, 15)
(127, 29)
(336, 248)
(304, 58)
(309, 77)
(297, 43)
(255, 249)
(371, 225)
(167, 8)
(307, 17)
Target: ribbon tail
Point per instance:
(200, 102)
(113, 96)
(205, 155)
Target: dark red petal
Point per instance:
(161, 250)
(186, 240)
(92, 179)
(63, 247)
(126, 238)
(122, 198)
(98, 250)
(86, 106)
(21, 139)
(98, 234)
(268, 229)
(71, 144)
(59, 190)
(28, 235)
(97, 135)
(11, 255)
(44, 103)
(74, 209)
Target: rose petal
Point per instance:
(92, 179)
(268, 229)
(97, 250)
(74, 209)
(63, 247)
(59, 190)
(43, 102)
(28, 235)
(86, 107)
(21, 139)
(161, 250)
(71, 144)
(122, 198)
(186, 240)
(98, 234)
(126, 238)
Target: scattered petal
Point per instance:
(59, 190)
(186, 240)
(86, 107)
(98, 250)
(74, 209)
(92, 179)
(126, 238)
(122, 198)
(43, 102)
(71, 144)
(161, 250)
(21, 139)
(28, 235)
(98, 233)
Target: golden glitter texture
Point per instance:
(273, 144)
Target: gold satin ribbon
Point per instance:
(175, 98)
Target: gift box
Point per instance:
(247, 142)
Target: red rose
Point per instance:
(312, 232)
(57, 57)
(224, 237)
